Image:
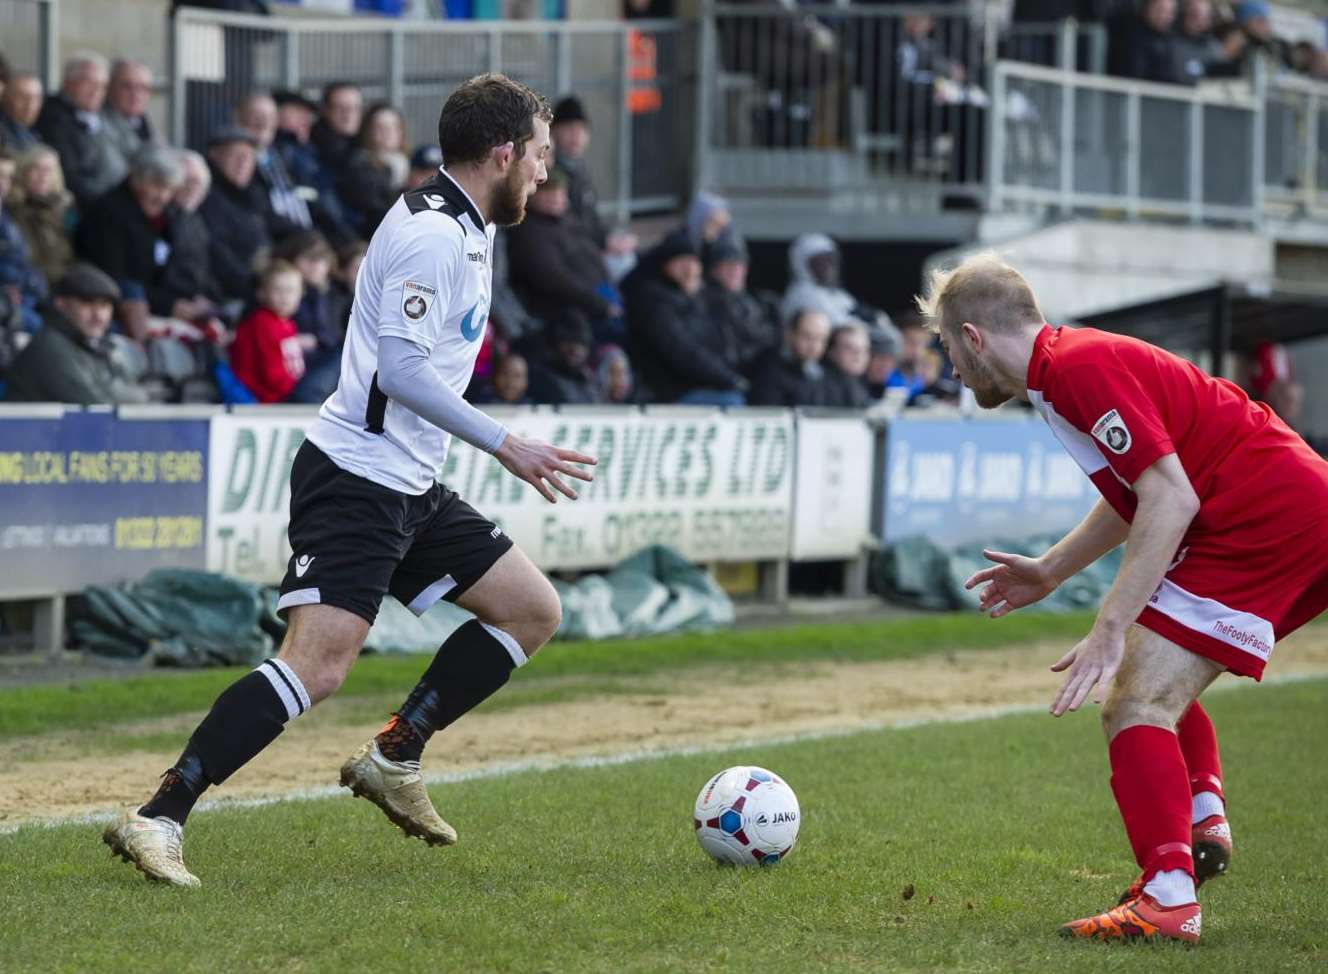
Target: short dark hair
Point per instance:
(487, 111)
(333, 87)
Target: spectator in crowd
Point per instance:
(911, 371)
(1199, 51)
(316, 318)
(267, 354)
(138, 235)
(40, 205)
(71, 124)
(846, 367)
(671, 338)
(814, 266)
(425, 162)
(744, 327)
(565, 377)
(333, 135)
(1143, 46)
(234, 211)
(69, 359)
(197, 181)
(20, 279)
(507, 313)
(341, 293)
(707, 220)
(284, 210)
(570, 132)
(554, 265)
(614, 377)
(510, 381)
(376, 169)
(880, 364)
(20, 107)
(317, 186)
(124, 116)
(793, 375)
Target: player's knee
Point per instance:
(1123, 709)
(544, 616)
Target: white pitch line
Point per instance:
(545, 763)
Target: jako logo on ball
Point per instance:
(746, 816)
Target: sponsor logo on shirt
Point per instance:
(416, 299)
(1112, 433)
(479, 257)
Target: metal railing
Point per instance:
(1296, 141)
(842, 97)
(1069, 142)
(636, 80)
(1066, 44)
(29, 37)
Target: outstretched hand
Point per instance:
(539, 464)
(1012, 583)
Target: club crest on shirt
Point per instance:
(1112, 432)
(416, 299)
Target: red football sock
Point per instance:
(1148, 778)
(1198, 742)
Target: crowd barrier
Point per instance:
(99, 496)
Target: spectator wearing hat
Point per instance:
(71, 123)
(376, 169)
(150, 246)
(884, 351)
(793, 375)
(425, 162)
(670, 336)
(20, 279)
(745, 328)
(234, 210)
(20, 106)
(284, 210)
(846, 367)
(570, 132)
(69, 359)
(555, 265)
(314, 184)
(564, 377)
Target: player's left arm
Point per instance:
(1167, 504)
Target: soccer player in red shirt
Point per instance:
(1224, 511)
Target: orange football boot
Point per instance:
(1141, 919)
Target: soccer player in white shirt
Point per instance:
(368, 516)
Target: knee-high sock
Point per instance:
(1198, 742)
(1149, 780)
(471, 666)
(246, 718)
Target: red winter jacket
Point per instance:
(256, 357)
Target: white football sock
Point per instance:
(1204, 804)
(1172, 887)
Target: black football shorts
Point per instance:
(354, 540)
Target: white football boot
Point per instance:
(154, 845)
(398, 789)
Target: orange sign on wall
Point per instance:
(642, 88)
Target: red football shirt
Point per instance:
(1119, 404)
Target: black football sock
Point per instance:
(469, 668)
(246, 718)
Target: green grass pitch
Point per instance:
(999, 828)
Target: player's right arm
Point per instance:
(1016, 581)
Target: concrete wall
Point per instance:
(1082, 266)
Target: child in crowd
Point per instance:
(321, 331)
(267, 355)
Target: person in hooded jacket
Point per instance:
(671, 338)
(814, 283)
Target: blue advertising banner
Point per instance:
(957, 481)
(87, 498)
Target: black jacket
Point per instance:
(1138, 51)
(82, 153)
(583, 201)
(169, 264)
(367, 189)
(553, 385)
(843, 391)
(554, 265)
(671, 340)
(744, 329)
(780, 381)
(237, 231)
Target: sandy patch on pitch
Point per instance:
(707, 706)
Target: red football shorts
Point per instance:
(1231, 597)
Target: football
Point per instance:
(747, 817)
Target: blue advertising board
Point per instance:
(88, 498)
(957, 481)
